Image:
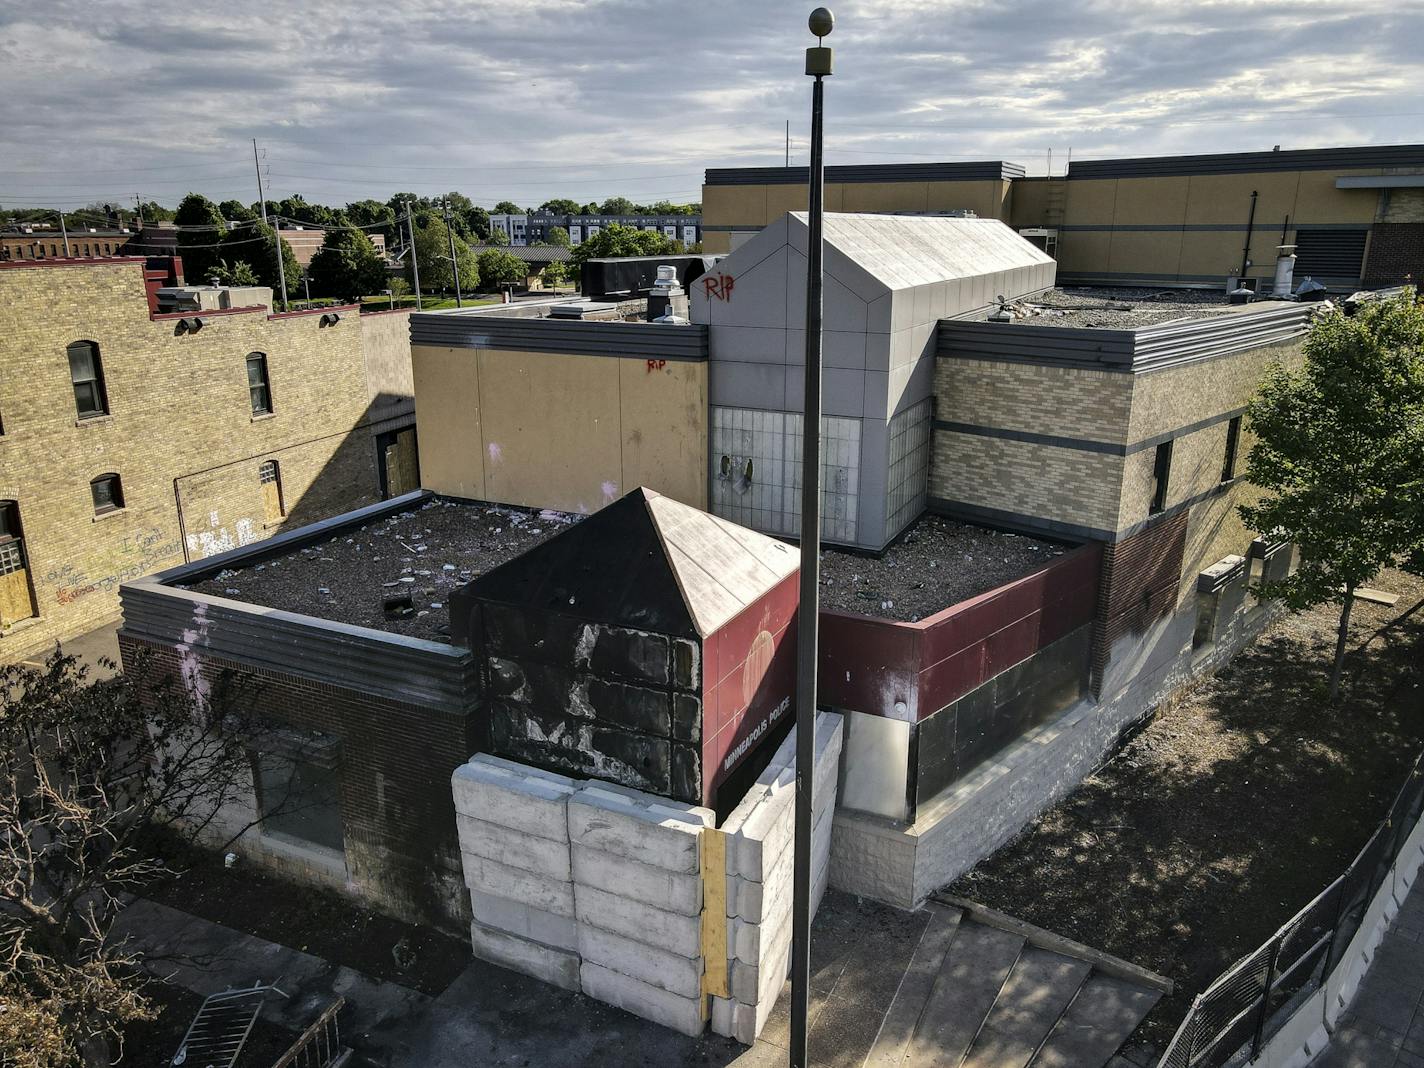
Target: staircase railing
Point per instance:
(1242, 1007)
(320, 1044)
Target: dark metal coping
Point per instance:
(980, 171)
(1310, 159)
(652, 341)
(373, 662)
(1149, 348)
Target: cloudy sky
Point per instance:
(530, 99)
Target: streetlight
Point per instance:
(818, 66)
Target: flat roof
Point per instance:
(428, 550)
(1120, 307)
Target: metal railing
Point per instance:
(1242, 1007)
(320, 1044)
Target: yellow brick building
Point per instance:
(132, 441)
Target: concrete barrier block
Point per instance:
(751, 979)
(672, 931)
(735, 1020)
(514, 848)
(638, 960)
(514, 795)
(684, 1015)
(557, 966)
(752, 899)
(516, 884)
(518, 918)
(639, 826)
(679, 892)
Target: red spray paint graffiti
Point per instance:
(719, 286)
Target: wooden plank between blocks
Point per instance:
(714, 914)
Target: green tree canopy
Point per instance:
(499, 268)
(497, 237)
(478, 220)
(507, 207)
(560, 206)
(236, 211)
(346, 266)
(620, 240)
(618, 206)
(555, 273)
(432, 245)
(255, 246)
(152, 211)
(200, 229)
(559, 236)
(1338, 456)
(238, 273)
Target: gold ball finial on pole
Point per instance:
(822, 22)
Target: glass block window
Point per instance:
(756, 471)
(907, 486)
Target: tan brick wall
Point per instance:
(179, 413)
(1164, 400)
(1065, 485)
(1093, 405)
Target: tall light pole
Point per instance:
(454, 263)
(414, 264)
(818, 66)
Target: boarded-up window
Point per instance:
(16, 601)
(270, 477)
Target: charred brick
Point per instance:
(630, 654)
(631, 706)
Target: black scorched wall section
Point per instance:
(592, 699)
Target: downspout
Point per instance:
(1246, 249)
(182, 524)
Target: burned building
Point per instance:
(651, 645)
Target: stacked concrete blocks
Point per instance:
(637, 884)
(760, 837)
(514, 842)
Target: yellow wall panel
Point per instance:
(664, 428)
(1154, 201)
(447, 385)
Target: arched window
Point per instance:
(258, 387)
(270, 477)
(86, 371)
(108, 493)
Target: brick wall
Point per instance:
(1140, 579)
(396, 759)
(1046, 400)
(1396, 253)
(180, 433)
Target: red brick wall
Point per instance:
(1396, 252)
(1140, 579)
(395, 765)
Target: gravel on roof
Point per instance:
(429, 551)
(1121, 307)
(938, 563)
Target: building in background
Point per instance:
(133, 439)
(47, 242)
(306, 243)
(534, 227)
(535, 257)
(1354, 215)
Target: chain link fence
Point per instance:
(1241, 1008)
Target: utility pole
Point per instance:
(138, 210)
(65, 231)
(818, 66)
(454, 263)
(414, 263)
(788, 142)
(262, 199)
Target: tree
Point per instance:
(589, 209)
(499, 268)
(1337, 454)
(559, 237)
(238, 273)
(432, 245)
(560, 206)
(92, 777)
(200, 229)
(478, 220)
(554, 274)
(255, 246)
(236, 211)
(507, 207)
(619, 240)
(618, 206)
(497, 237)
(346, 266)
(152, 211)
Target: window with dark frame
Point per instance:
(299, 799)
(1233, 439)
(1161, 474)
(258, 386)
(86, 372)
(108, 493)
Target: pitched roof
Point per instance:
(905, 251)
(528, 253)
(647, 562)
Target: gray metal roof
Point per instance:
(975, 171)
(1310, 159)
(528, 253)
(905, 251)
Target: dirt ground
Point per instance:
(427, 552)
(936, 564)
(1235, 806)
(320, 922)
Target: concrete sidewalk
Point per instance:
(1384, 1025)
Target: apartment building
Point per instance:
(534, 227)
(47, 241)
(1354, 215)
(132, 439)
